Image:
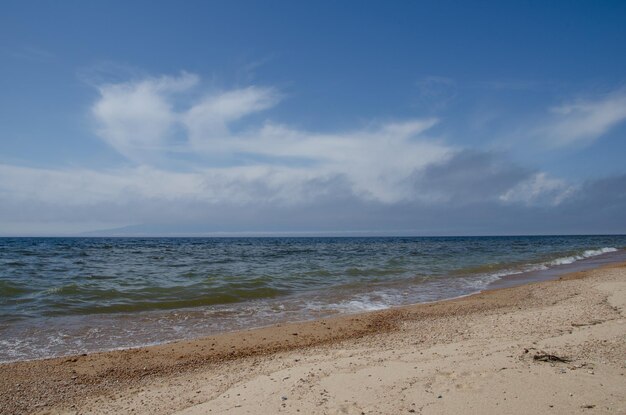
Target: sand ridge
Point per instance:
(475, 354)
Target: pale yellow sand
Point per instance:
(473, 355)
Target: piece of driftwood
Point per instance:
(547, 357)
(591, 323)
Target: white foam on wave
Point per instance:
(587, 254)
(480, 282)
(357, 304)
(483, 280)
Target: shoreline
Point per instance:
(49, 385)
(511, 278)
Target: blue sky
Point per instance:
(328, 117)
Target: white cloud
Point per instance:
(539, 189)
(136, 117)
(584, 121)
(207, 122)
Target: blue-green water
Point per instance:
(70, 295)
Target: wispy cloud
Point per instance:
(539, 189)
(584, 121)
(208, 122)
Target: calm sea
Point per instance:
(72, 295)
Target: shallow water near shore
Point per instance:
(63, 296)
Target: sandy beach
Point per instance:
(550, 347)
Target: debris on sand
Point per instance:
(547, 357)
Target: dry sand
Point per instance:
(479, 354)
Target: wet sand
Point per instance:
(549, 347)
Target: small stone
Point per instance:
(439, 397)
(284, 398)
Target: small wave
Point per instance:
(481, 280)
(482, 275)
(69, 289)
(16, 264)
(11, 290)
(359, 303)
(362, 305)
(373, 272)
(97, 277)
(489, 277)
(586, 254)
(348, 306)
(98, 301)
(290, 251)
